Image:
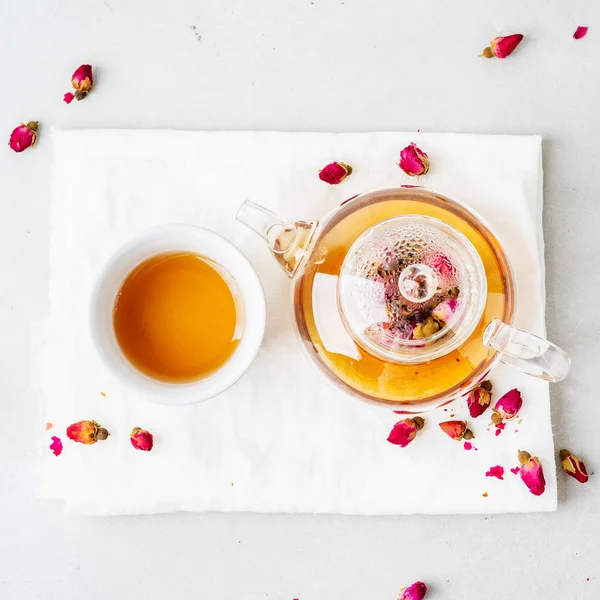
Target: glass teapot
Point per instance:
(403, 297)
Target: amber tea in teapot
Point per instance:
(403, 297)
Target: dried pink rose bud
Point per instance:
(86, 432)
(580, 32)
(82, 82)
(442, 264)
(502, 46)
(444, 311)
(532, 473)
(478, 400)
(413, 161)
(573, 466)
(404, 432)
(141, 439)
(335, 172)
(457, 430)
(507, 407)
(416, 591)
(23, 136)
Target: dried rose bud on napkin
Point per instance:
(413, 161)
(335, 172)
(532, 473)
(404, 432)
(479, 399)
(507, 407)
(86, 432)
(141, 439)
(457, 430)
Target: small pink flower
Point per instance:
(413, 161)
(82, 81)
(23, 136)
(532, 473)
(497, 471)
(56, 446)
(404, 432)
(69, 97)
(573, 466)
(580, 32)
(502, 46)
(478, 400)
(141, 439)
(457, 430)
(416, 591)
(507, 407)
(335, 172)
(444, 311)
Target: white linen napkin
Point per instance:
(281, 439)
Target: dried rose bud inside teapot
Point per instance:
(420, 298)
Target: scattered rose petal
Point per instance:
(86, 432)
(48, 426)
(457, 430)
(478, 401)
(500, 428)
(580, 32)
(573, 466)
(416, 591)
(335, 172)
(502, 46)
(507, 407)
(23, 136)
(532, 473)
(468, 446)
(82, 82)
(404, 432)
(515, 470)
(497, 471)
(413, 161)
(141, 439)
(68, 97)
(56, 446)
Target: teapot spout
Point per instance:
(288, 242)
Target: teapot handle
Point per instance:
(527, 352)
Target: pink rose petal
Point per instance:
(515, 470)
(468, 446)
(68, 98)
(497, 471)
(500, 428)
(580, 32)
(56, 445)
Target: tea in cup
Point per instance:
(170, 314)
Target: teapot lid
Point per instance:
(411, 289)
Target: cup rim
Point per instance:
(192, 392)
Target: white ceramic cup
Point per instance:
(173, 238)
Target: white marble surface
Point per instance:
(328, 65)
